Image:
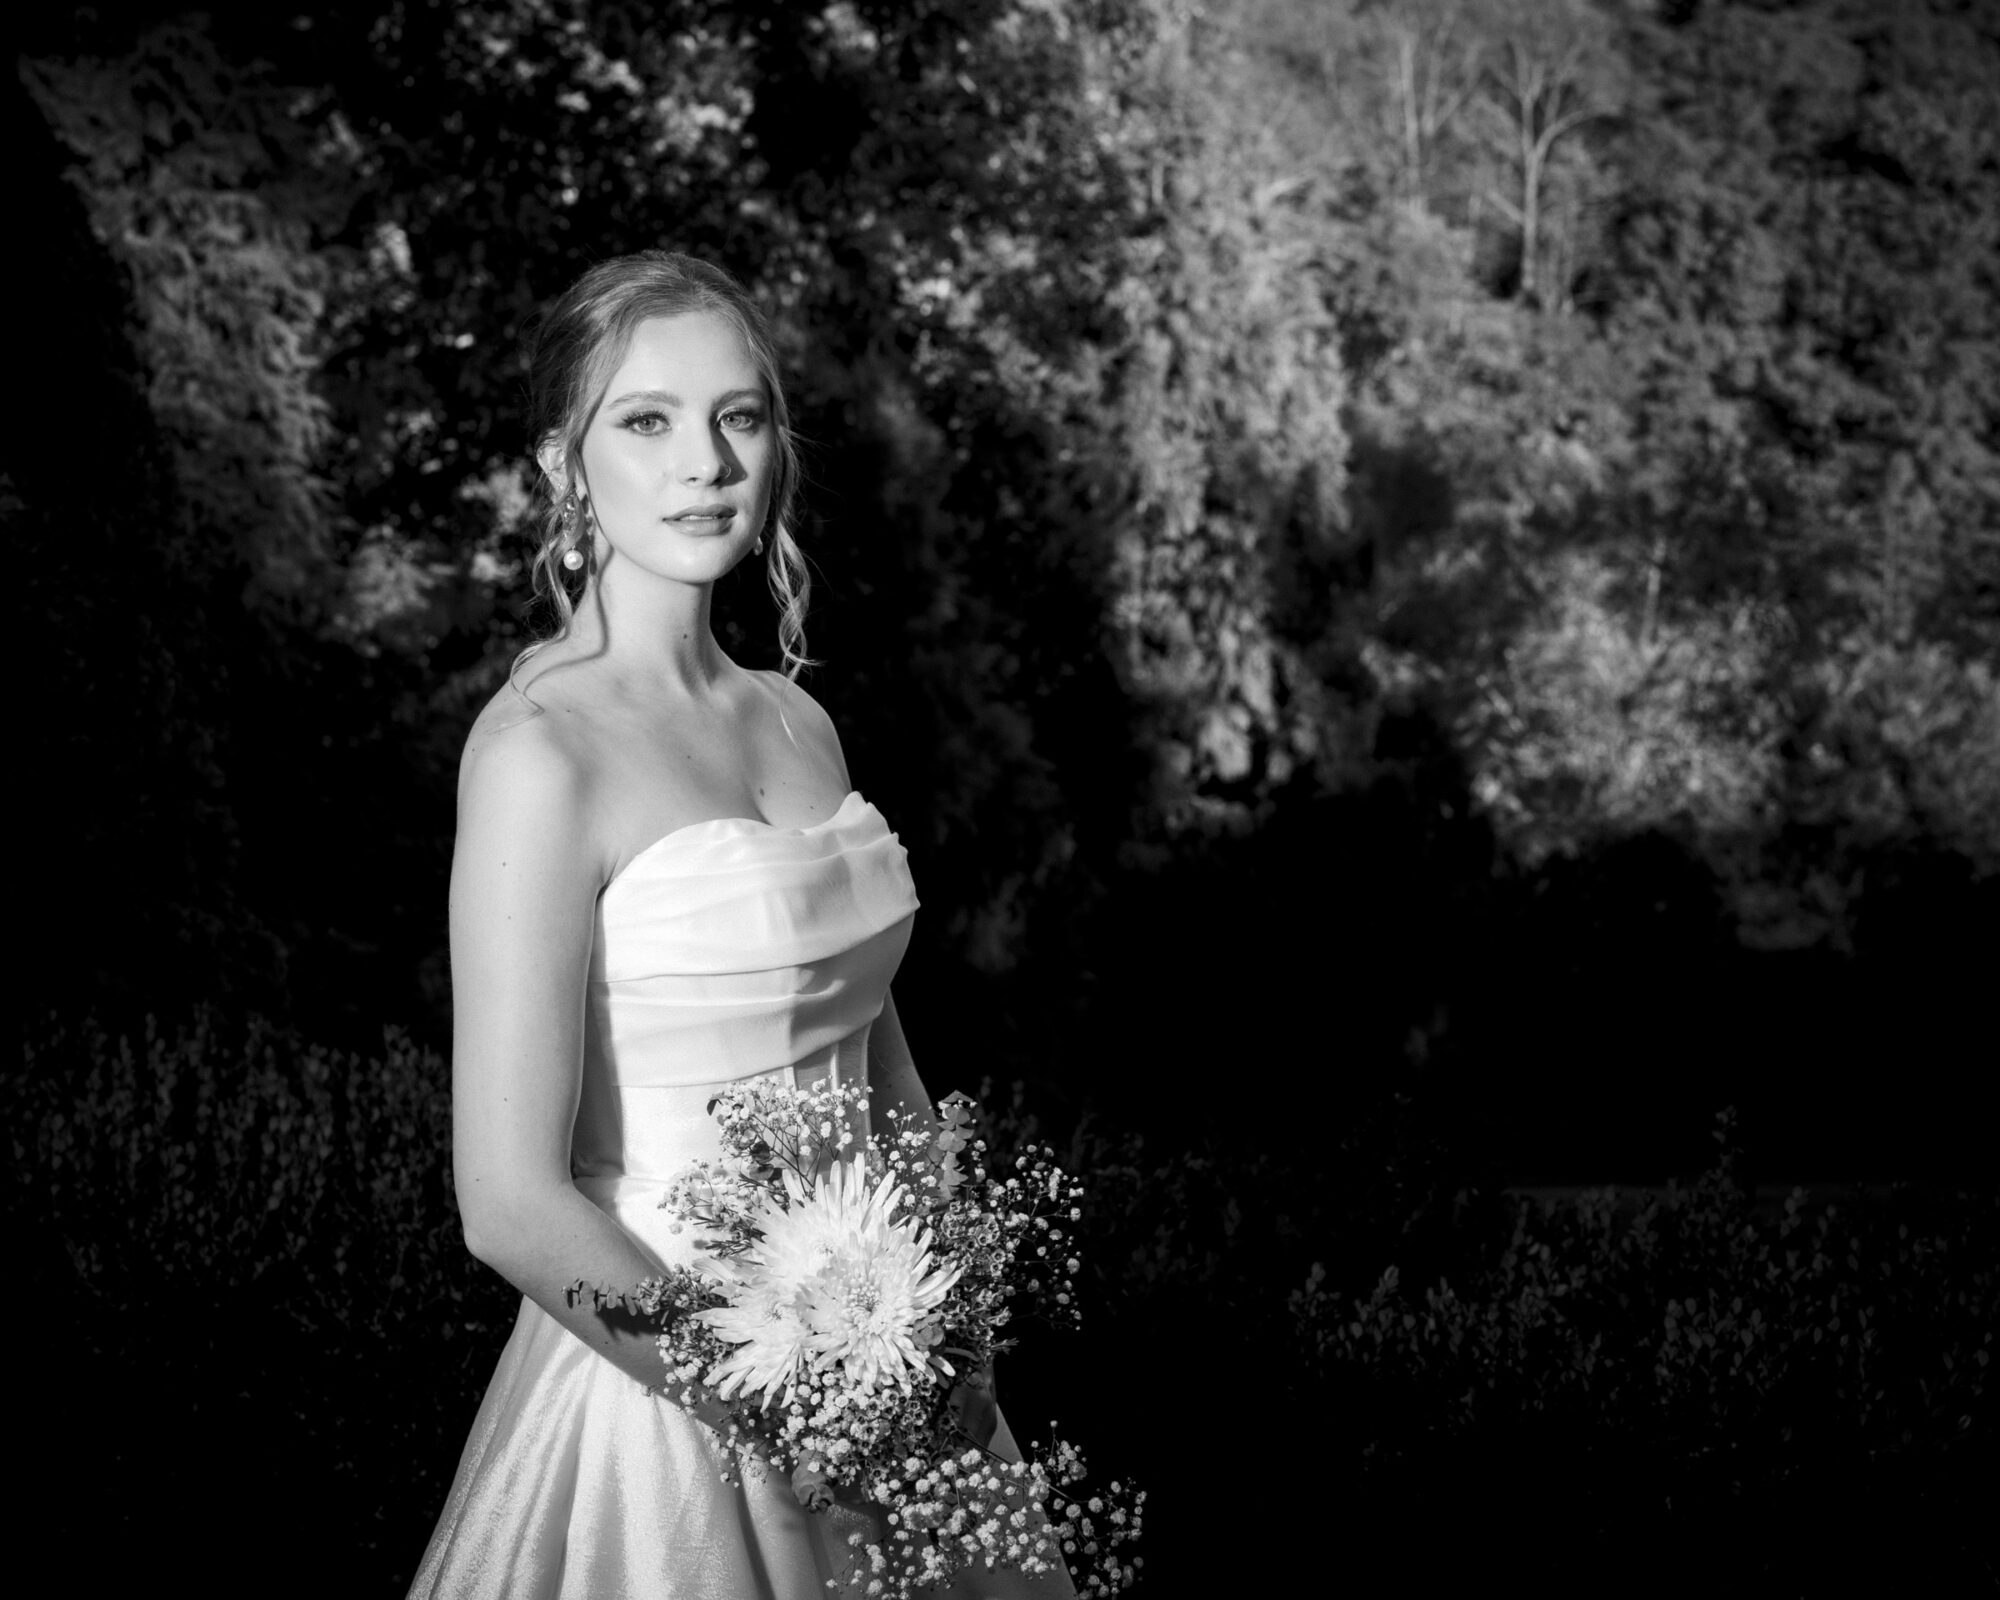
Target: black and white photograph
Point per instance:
(1005, 799)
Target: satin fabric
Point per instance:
(728, 950)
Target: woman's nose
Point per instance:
(704, 460)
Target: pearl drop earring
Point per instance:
(572, 559)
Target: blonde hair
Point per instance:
(580, 340)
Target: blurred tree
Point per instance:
(1800, 271)
(209, 181)
(1433, 78)
(1548, 71)
(1634, 547)
(132, 622)
(1230, 391)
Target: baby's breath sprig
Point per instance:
(770, 1128)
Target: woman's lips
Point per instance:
(704, 515)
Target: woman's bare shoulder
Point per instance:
(804, 717)
(527, 747)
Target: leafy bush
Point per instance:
(258, 1302)
(229, 1155)
(1695, 1356)
(1624, 1393)
(1185, 1371)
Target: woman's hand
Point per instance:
(811, 1484)
(976, 1407)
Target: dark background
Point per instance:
(1421, 582)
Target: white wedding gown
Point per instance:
(724, 951)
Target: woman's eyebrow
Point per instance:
(674, 401)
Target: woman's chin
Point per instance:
(712, 558)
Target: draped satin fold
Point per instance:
(727, 950)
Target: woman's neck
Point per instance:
(652, 632)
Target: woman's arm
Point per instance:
(892, 1073)
(525, 879)
(893, 1081)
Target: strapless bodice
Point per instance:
(723, 951)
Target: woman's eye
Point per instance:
(741, 421)
(646, 421)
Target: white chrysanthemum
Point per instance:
(833, 1281)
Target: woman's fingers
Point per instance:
(976, 1407)
(810, 1484)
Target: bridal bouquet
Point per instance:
(851, 1300)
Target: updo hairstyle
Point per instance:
(578, 344)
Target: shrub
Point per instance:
(1690, 1356)
(264, 1323)
(1616, 1393)
(1186, 1368)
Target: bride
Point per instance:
(663, 881)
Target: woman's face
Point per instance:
(678, 461)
